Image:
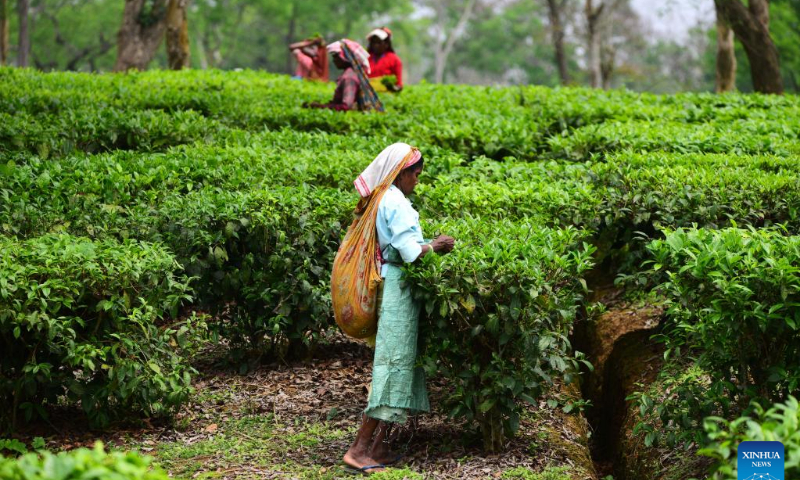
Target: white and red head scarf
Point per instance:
(383, 165)
(362, 57)
(382, 33)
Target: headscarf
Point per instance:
(361, 55)
(383, 34)
(384, 165)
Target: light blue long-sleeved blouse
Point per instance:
(398, 226)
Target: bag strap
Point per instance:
(367, 98)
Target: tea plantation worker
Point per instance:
(383, 61)
(312, 59)
(398, 385)
(353, 91)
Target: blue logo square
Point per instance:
(760, 461)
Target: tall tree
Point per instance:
(70, 35)
(214, 24)
(556, 16)
(3, 32)
(177, 38)
(726, 56)
(290, 33)
(521, 31)
(594, 13)
(602, 41)
(608, 58)
(24, 43)
(143, 26)
(784, 28)
(75, 55)
(445, 37)
(621, 33)
(751, 25)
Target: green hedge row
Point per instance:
(733, 325)
(105, 112)
(100, 130)
(212, 205)
(626, 191)
(498, 312)
(210, 91)
(251, 193)
(81, 464)
(95, 323)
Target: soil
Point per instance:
(331, 389)
(619, 347)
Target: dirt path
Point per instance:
(297, 420)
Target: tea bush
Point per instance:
(739, 137)
(80, 464)
(708, 190)
(265, 255)
(225, 174)
(781, 423)
(100, 130)
(94, 322)
(735, 294)
(527, 123)
(733, 317)
(498, 313)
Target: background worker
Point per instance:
(383, 61)
(312, 59)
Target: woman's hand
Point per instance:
(443, 244)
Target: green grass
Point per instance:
(253, 442)
(259, 445)
(550, 473)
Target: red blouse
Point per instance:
(387, 64)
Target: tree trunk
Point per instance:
(557, 33)
(143, 26)
(213, 53)
(177, 38)
(726, 57)
(593, 15)
(491, 425)
(608, 56)
(24, 47)
(3, 32)
(202, 44)
(444, 47)
(290, 38)
(751, 26)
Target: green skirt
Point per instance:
(398, 385)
